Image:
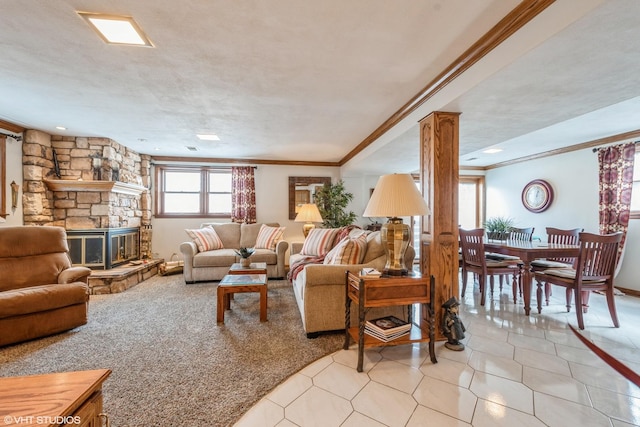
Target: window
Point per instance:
(470, 202)
(635, 195)
(193, 192)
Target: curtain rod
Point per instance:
(16, 137)
(596, 149)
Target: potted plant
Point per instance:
(244, 254)
(332, 201)
(498, 227)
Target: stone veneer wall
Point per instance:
(88, 159)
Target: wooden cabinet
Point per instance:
(59, 399)
(389, 291)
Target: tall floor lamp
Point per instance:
(395, 196)
(308, 214)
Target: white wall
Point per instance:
(14, 173)
(272, 205)
(574, 178)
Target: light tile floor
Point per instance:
(515, 371)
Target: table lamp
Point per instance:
(395, 196)
(308, 214)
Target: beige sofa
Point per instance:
(320, 288)
(40, 292)
(214, 265)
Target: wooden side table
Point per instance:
(238, 283)
(66, 398)
(389, 291)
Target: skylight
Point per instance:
(114, 29)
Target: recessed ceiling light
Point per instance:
(61, 128)
(492, 150)
(208, 137)
(116, 29)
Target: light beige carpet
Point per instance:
(172, 364)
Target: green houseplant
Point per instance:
(244, 254)
(498, 227)
(332, 201)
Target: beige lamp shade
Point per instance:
(396, 196)
(308, 214)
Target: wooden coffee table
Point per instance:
(240, 283)
(254, 268)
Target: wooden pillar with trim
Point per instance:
(439, 167)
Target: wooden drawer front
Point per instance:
(396, 295)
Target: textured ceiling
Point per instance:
(292, 80)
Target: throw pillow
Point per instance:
(268, 237)
(319, 241)
(206, 239)
(350, 250)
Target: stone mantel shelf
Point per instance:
(90, 185)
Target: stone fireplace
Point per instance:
(93, 186)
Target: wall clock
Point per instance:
(537, 195)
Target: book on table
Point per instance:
(370, 272)
(387, 328)
(386, 338)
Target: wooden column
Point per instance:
(439, 165)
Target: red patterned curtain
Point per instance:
(243, 195)
(616, 183)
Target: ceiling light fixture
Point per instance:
(114, 29)
(61, 128)
(208, 137)
(492, 150)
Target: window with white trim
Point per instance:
(193, 192)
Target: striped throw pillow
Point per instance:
(319, 241)
(350, 250)
(206, 239)
(268, 237)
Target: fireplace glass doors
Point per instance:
(103, 248)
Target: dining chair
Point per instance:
(556, 236)
(595, 270)
(519, 235)
(475, 261)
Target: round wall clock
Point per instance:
(537, 195)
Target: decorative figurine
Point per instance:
(452, 326)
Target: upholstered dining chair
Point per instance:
(475, 261)
(556, 236)
(595, 270)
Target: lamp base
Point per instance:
(307, 227)
(395, 238)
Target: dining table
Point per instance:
(527, 252)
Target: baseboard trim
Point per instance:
(631, 292)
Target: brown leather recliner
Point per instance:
(40, 292)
